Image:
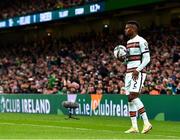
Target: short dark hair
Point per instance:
(133, 22)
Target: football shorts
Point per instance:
(132, 85)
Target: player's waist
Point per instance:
(130, 70)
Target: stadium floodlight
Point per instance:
(71, 106)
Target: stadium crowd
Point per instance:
(85, 64)
(12, 8)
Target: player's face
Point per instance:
(129, 30)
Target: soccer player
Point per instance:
(137, 59)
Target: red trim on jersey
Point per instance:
(133, 45)
(130, 70)
(134, 57)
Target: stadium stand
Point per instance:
(85, 64)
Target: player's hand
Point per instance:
(135, 74)
(122, 58)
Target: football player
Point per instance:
(137, 59)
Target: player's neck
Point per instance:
(133, 36)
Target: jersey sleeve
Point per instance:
(144, 46)
(145, 55)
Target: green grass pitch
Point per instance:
(28, 126)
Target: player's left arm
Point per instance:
(145, 55)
